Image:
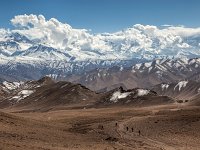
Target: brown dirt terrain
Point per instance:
(161, 128)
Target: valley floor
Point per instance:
(117, 128)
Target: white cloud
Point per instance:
(132, 42)
(55, 33)
(3, 33)
(183, 31)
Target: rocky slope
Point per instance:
(133, 97)
(143, 75)
(182, 90)
(46, 94)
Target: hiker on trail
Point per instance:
(132, 129)
(100, 127)
(139, 132)
(126, 128)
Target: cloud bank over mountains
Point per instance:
(138, 41)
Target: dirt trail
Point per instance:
(128, 136)
(161, 129)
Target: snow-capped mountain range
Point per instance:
(49, 47)
(142, 75)
(183, 90)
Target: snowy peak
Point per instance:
(119, 94)
(180, 85)
(166, 65)
(11, 85)
(136, 97)
(185, 90)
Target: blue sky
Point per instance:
(106, 15)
